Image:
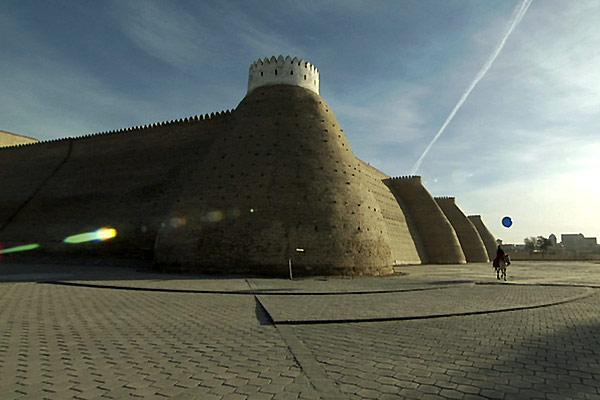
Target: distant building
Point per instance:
(552, 239)
(578, 242)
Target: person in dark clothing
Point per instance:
(500, 263)
(499, 253)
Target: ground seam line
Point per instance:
(315, 374)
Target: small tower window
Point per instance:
(261, 73)
(304, 77)
(275, 72)
(291, 72)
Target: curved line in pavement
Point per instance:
(262, 292)
(433, 316)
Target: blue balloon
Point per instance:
(507, 222)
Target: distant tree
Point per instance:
(542, 244)
(530, 245)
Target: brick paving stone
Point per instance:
(430, 389)
(492, 394)
(260, 396)
(236, 396)
(368, 393)
(222, 390)
(451, 394)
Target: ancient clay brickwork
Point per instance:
(471, 243)
(24, 170)
(242, 191)
(124, 180)
(12, 139)
(403, 243)
(488, 239)
(282, 177)
(438, 237)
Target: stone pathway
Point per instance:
(430, 332)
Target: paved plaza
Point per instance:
(445, 331)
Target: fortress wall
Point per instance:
(24, 170)
(469, 238)
(11, 139)
(486, 236)
(126, 180)
(283, 177)
(438, 237)
(404, 245)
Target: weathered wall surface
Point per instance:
(282, 177)
(24, 170)
(440, 242)
(235, 192)
(404, 244)
(125, 180)
(11, 139)
(471, 243)
(486, 236)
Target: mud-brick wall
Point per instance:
(438, 237)
(469, 238)
(486, 236)
(404, 243)
(281, 177)
(11, 139)
(24, 170)
(124, 180)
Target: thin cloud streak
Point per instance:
(522, 9)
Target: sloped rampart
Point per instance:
(469, 239)
(404, 242)
(486, 236)
(438, 238)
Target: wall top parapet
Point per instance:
(283, 71)
(407, 177)
(203, 117)
(445, 198)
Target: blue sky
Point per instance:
(525, 143)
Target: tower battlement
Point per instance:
(283, 71)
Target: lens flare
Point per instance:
(213, 216)
(101, 234)
(25, 247)
(177, 222)
(507, 222)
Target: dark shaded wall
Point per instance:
(24, 171)
(126, 180)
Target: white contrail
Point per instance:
(517, 17)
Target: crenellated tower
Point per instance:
(283, 71)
